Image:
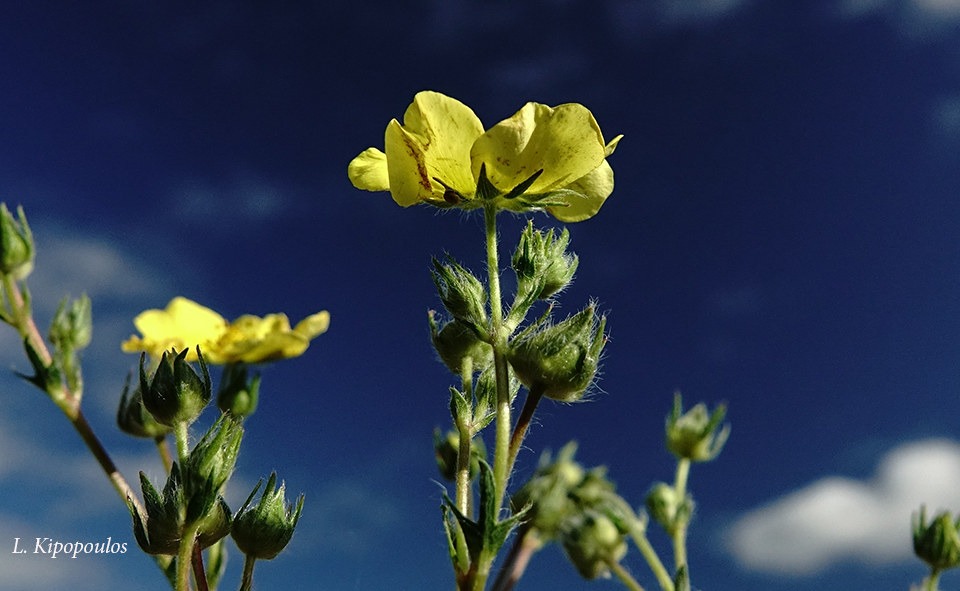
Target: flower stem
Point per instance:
(932, 583)
(246, 583)
(498, 339)
(653, 560)
(523, 422)
(525, 545)
(66, 401)
(680, 534)
(199, 574)
(164, 450)
(466, 436)
(625, 577)
(183, 441)
(185, 558)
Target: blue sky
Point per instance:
(782, 237)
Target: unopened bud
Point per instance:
(16, 244)
(176, 394)
(562, 358)
(592, 541)
(936, 543)
(456, 342)
(462, 294)
(696, 435)
(264, 530)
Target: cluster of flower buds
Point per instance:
(192, 499)
(579, 508)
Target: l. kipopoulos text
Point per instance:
(56, 549)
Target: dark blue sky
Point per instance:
(782, 237)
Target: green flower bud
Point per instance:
(176, 394)
(70, 332)
(237, 395)
(72, 326)
(936, 543)
(667, 507)
(216, 525)
(264, 530)
(561, 359)
(160, 530)
(592, 542)
(694, 435)
(447, 447)
(167, 517)
(456, 342)
(133, 418)
(462, 294)
(212, 460)
(542, 264)
(548, 492)
(16, 244)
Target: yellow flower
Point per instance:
(542, 157)
(185, 324)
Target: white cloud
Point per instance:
(946, 117)
(918, 19)
(840, 519)
(242, 197)
(632, 17)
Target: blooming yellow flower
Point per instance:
(185, 324)
(542, 157)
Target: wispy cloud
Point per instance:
(241, 197)
(919, 19)
(839, 519)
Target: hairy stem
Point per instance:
(653, 560)
(185, 558)
(199, 574)
(624, 576)
(499, 343)
(246, 583)
(523, 422)
(680, 534)
(526, 544)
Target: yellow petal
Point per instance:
(368, 171)
(565, 142)
(589, 193)
(591, 190)
(433, 142)
(184, 324)
(313, 325)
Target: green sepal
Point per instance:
(495, 531)
(133, 418)
(521, 188)
(456, 538)
(487, 533)
(460, 408)
(485, 189)
(44, 376)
